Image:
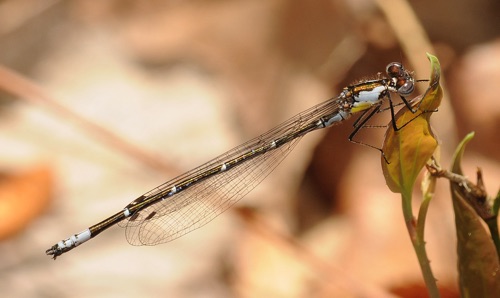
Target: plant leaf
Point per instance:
(478, 264)
(408, 149)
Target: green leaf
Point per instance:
(408, 149)
(478, 264)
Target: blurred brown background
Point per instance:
(163, 86)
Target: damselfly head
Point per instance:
(402, 80)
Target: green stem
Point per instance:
(492, 225)
(422, 214)
(417, 239)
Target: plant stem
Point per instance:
(492, 225)
(418, 242)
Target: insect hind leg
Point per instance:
(359, 124)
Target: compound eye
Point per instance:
(406, 88)
(394, 69)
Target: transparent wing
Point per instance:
(200, 203)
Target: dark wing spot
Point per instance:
(134, 216)
(151, 215)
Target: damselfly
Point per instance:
(193, 199)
